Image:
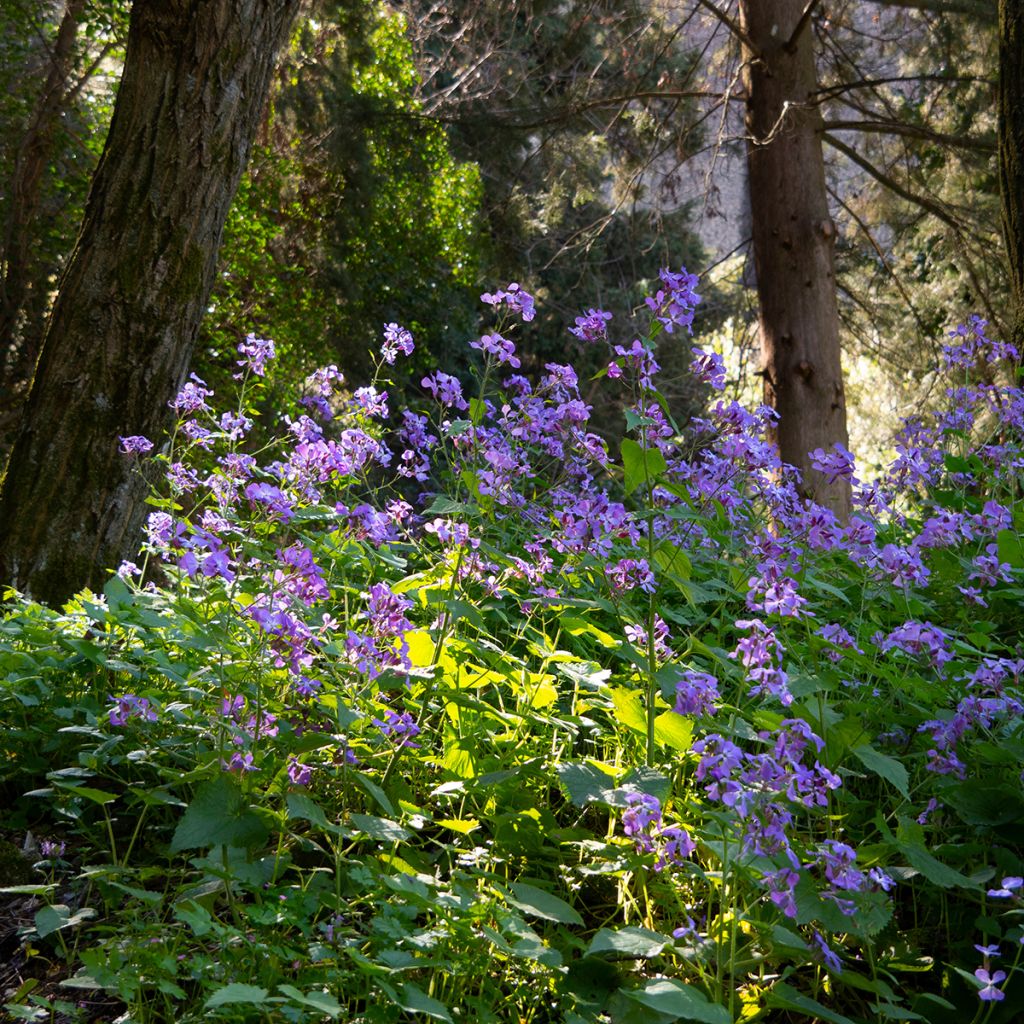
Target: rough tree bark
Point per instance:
(130, 302)
(24, 188)
(1011, 151)
(793, 241)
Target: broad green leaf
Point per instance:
(218, 815)
(302, 807)
(1011, 548)
(885, 766)
(640, 465)
(675, 731)
(196, 916)
(413, 999)
(784, 997)
(382, 829)
(324, 1002)
(586, 783)
(236, 993)
(934, 870)
(684, 1002)
(635, 943)
(531, 900)
(628, 709)
(57, 916)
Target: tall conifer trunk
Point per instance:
(1011, 151)
(793, 240)
(124, 323)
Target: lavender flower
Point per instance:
(136, 444)
(396, 340)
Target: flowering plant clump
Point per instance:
(449, 710)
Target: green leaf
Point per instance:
(675, 731)
(218, 815)
(324, 1002)
(634, 943)
(783, 997)
(236, 993)
(640, 464)
(628, 709)
(413, 999)
(196, 916)
(586, 783)
(300, 806)
(379, 828)
(1011, 548)
(57, 916)
(681, 1001)
(887, 767)
(934, 870)
(531, 900)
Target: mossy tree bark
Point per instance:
(793, 241)
(1011, 151)
(124, 323)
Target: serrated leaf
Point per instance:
(540, 903)
(236, 992)
(640, 465)
(676, 999)
(218, 815)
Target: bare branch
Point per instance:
(974, 8)
(924, 202)
(732, 25)
(800, 26)
(974, 144)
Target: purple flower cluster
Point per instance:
(641, 821)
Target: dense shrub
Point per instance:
(447, 713)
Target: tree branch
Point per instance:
(800, 26)
(976, 145)
(732, 25)
(974, 8)
(926, 204)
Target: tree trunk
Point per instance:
(1011, 151)
(130, 302)
(793, 240)
(34, 151)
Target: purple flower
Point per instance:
(515, 298)
(50, 849)
(696, 694)
(501, 348)
(673, 303)
(1009, 888)
(640, 817)
(128, 706)
(989, 992)
(708, 367)
(837, 464)
(396, 339)
(675, 847)
(192, 397)
(136, 444)
(592, 326)
(255, 353)
(987, 951)
(299, 773)
(446, 389)
(401, 727)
